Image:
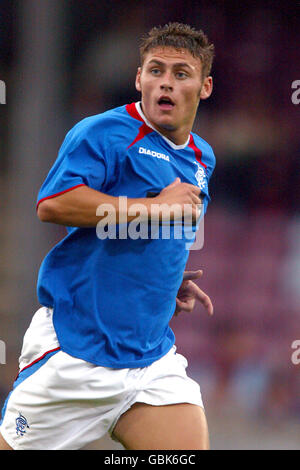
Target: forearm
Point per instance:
(86, 207)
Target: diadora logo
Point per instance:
(21, 425)
(152, 153)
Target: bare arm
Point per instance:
(78, 207)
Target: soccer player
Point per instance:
(99, 355)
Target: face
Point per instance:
(171, 85)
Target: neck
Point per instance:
(177, 136)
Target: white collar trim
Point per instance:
(174, 146)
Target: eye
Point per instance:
(181, 75)
(155, 71)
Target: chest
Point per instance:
(149, 166)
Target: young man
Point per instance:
(99, 356)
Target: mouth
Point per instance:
(165, 103)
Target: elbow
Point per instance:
(45, 211)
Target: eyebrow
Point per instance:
(177, 64)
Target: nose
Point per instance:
(166, 84)
(166, 87)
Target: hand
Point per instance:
(189, 292)
(182, 198)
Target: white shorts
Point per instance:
(60, 402)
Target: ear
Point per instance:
(138, 79)
(207, 88)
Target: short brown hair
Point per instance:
(180, 36)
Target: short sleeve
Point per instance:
(81, 161)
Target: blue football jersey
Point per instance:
(113, 297)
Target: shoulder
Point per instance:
(104, 128)
(208, 155)
(204, 146)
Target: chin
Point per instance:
(166, 124)
(168, 127)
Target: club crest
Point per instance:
(21, 425)
(200, 176)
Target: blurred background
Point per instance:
(64, 60)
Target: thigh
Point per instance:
(3, 444)
(180, 426)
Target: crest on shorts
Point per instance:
(200, 176)
(21, 425)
